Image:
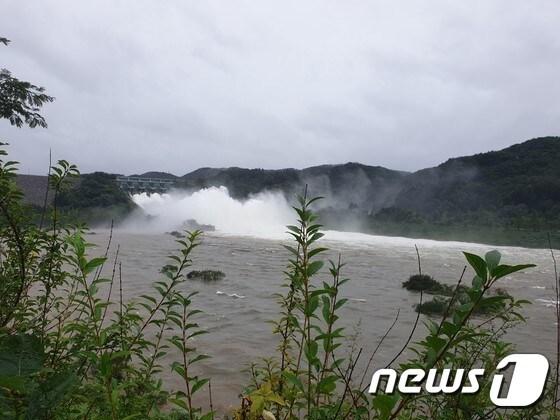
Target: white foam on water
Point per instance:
(233, 295)
(547, 302)
(263, 215)
(368, 240)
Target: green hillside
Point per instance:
(95, 198)
(517, 186)
(509, 197)
(347, 185)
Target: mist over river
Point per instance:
(237, 308)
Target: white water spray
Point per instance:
(264, 214)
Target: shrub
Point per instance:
(68, 349)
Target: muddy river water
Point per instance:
(237, 308)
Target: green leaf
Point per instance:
(13, 383)
(314, 267)
(493, 301)
(294, 229)
(316, 236)
(505, 270)
(477, 283)
(492, 259)
(93, 264)
(435, 343)
(20, 355)
(199, 383)
(312, 306)
(311, 350)
(449, 329)
(385, 404)
(327, 385)
(257, 406)
(316, 251)
(478, 264)
(326, 310)
(49, 394)
(291, 249)
(199, 358)
(293, 379)
(340, 303)
(179, 403)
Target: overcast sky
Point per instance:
(176, 85)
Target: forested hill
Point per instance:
(520, 183)
(517, 188)
(343, 186)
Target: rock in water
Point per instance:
(206, 275)
(192, 224)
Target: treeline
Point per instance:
(516, 187)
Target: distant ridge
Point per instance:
(156, 174)
(519, 181)
(517, 186)
(34, 188)
(364, 186)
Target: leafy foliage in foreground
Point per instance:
(68, 348)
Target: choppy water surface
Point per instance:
(237, 308)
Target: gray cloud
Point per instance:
(176, 85)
